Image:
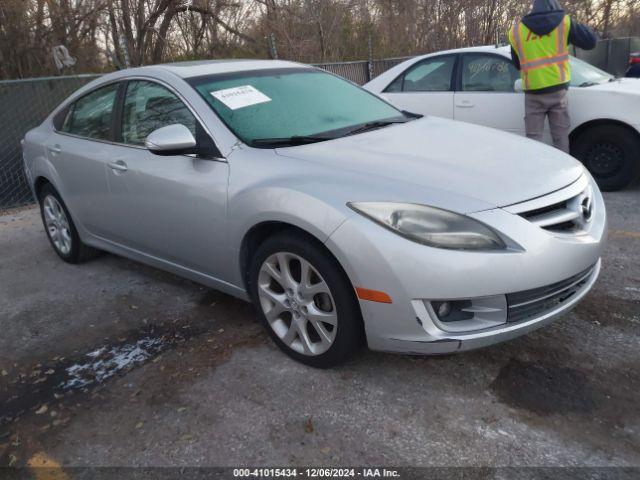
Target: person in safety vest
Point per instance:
(540, 50)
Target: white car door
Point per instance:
(425, 87)
(486, 93)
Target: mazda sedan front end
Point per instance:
(464, 282)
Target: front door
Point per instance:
(425, 88)
(170, 207)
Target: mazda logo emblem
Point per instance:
(586, 207)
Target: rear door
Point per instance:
(169, 207)
(80, 149)
(486, 93)
(426, 87)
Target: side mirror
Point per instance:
(171, 140)
(517, 86)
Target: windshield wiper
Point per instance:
(307, 139)
(288, 141)
(589, 84)
(374, 125)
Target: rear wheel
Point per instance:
(305, 300)
(61, 231)
(611, 153)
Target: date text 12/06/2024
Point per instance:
(315, 473)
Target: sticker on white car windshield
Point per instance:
(240, 97)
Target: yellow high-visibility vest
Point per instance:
(544, 60)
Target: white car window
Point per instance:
(431, 75)
(584, 74)
(488, 73)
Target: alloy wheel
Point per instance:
(297, 303)
(57, 225)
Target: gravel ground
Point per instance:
(112, 363)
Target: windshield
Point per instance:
(584, 74)
(267, 107)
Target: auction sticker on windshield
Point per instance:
(240, 97)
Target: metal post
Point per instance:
(370, 60)
(273, 51)
(125, 51)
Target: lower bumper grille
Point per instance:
(536, 302)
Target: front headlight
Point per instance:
(431, 226)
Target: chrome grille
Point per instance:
(538, 301)
(567, 216)
(567, 211)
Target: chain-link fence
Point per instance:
(24, 104)
(363, 71)
(357, 72)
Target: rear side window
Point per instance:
(488, 73)
(149, 106)
(92, 115)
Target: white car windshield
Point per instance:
(584, 74)
(271, 108)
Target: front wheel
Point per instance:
(611, 153)
(305, 300)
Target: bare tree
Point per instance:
(140, 32)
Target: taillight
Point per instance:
(635, 58)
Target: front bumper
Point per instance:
(413, 275)
(508, 331)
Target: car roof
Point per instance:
(212, 67)
(502, 49)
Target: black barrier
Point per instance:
(611, 55)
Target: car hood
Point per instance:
(446, 160)
(620, 85)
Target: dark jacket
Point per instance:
(634, 71)
(634, 68)
(544, 18)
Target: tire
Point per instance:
(611, 153)
(319, 325)
(60, 229)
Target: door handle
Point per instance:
(55, 149)
(118, 166)
(465, 104)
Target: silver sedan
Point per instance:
(342, 218)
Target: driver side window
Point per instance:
(149, 106)
(488, 73)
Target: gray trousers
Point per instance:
(553, 105)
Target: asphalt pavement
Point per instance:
(113, 363)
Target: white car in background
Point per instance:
(481, 85)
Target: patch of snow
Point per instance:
(107, 362)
